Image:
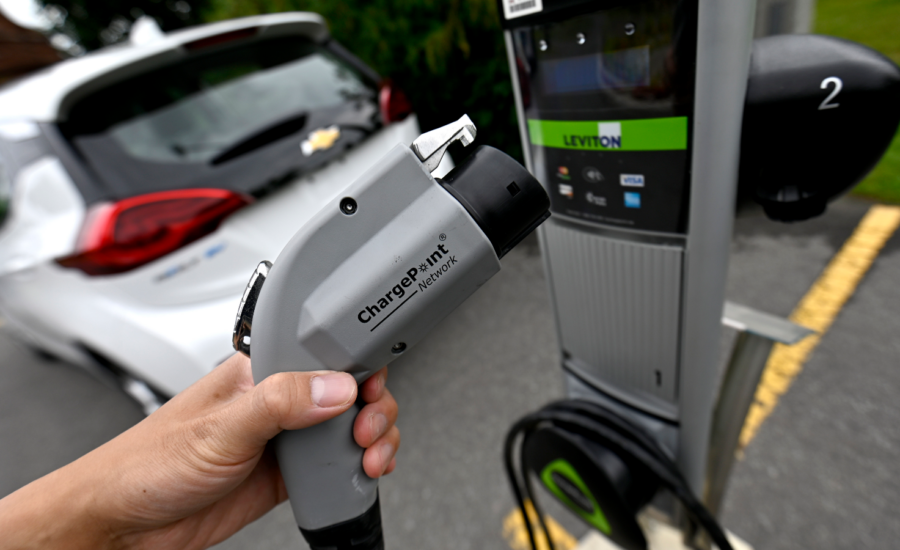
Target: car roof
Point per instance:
(46, 95)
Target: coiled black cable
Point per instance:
(605, 427)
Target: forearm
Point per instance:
(57, 511)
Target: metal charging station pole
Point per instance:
(724, 35)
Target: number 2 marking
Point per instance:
(838, 84)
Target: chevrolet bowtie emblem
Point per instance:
(320, 140)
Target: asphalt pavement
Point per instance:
(821, 472)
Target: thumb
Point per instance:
(286, 401)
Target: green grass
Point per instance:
(875, 23)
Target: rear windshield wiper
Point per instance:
(281, 129)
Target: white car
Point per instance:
(147, 180)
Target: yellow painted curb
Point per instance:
(516, 534)
(818, 310)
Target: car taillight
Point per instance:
(393, 102)
(118, 237)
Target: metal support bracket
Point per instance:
(757, 333)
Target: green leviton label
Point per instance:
(648, 134)
(560, 468)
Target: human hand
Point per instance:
(197, 470)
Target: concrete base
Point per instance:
(660, 536)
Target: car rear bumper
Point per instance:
(168, 347)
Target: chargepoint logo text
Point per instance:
(422, 275)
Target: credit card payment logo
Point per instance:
(631, 180)
(632, 200)
(596, 200)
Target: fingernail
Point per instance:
(378, 424)
(386, 453)
(332, 390)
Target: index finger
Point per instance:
(373, 389)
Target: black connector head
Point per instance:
(502, 197)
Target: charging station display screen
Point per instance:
(622, 69)
(608, 98)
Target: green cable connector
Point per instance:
(562, 468)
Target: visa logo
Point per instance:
(631, 180)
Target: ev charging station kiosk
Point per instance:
(642, 186)
(631, 115)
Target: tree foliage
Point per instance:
(447, 55)
(92, 24)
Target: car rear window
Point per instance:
(194, 113)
